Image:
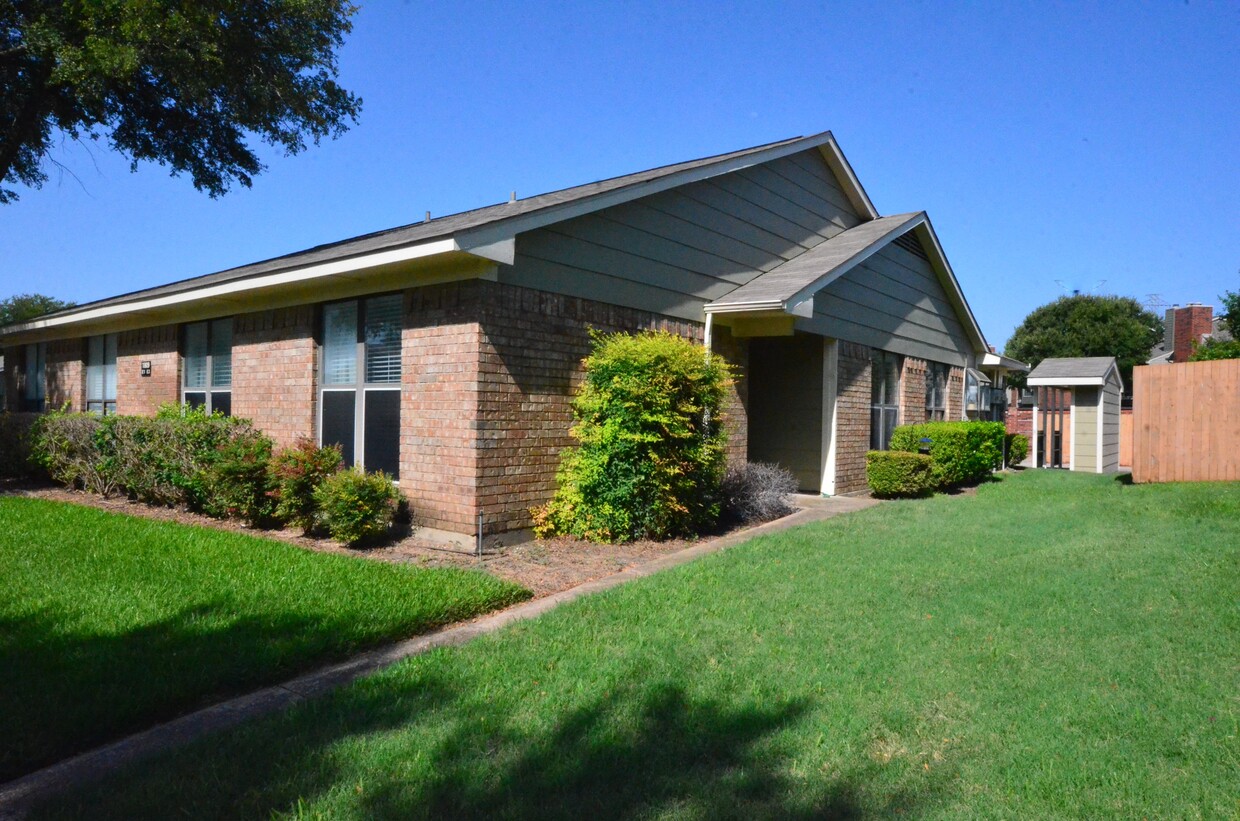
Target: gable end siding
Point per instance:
(892, 301)
(674, 251)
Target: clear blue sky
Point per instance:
(1074, 142)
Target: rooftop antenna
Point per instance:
(1077, 291)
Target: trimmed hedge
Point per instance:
(960, 452)
(650, 456)
(1017, 448)
(897, 474)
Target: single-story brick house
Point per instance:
(445, 352)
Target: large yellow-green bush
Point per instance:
(650, 456)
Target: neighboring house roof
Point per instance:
(999, 361)
(1069, 371)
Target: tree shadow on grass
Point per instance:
(406, 746)
(65, 692)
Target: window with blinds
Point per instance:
(35, 369)
(206, 368)
(359, 381)
(936, 392)
(884, 397)
(101, 374)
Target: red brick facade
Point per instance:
(488, 375)
(852, 416)
(142, 395)
(273, 371)
(955, 394)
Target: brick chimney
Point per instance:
(1185, 328)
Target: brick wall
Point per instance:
(1190, 324)
(439, 405)
(273, 372)
(65, 374)
(955, 394)
(142, 395)
(532, 345)
(736, 405)
(913, 391)
(852, 422)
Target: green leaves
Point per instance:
(184, 83)
(1086, 325)
(651, 450)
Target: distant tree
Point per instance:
(21, 307)
(1231, 312)
(179, 82)
(1088, 325)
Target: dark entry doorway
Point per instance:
(785, 405)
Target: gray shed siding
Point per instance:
(1110, 427)
(892, 301)
(1085, 430)
(674, 251)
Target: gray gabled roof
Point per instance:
(483, 224)
(791, 282)
(1077, 370)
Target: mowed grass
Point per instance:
(110, 623)
(1055, 646)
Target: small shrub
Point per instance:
(897, 474)
(1017, 448)
(650, 454)
(76, 450)
(756, 492)
(236, 480)
(296, 474)
(960, 452)
(16, 442)
(151, 462)
(357, 506)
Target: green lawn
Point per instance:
(1057, 645)
(110, 623)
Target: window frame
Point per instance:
(213, 393)
(103, 403)
(886, 407)
(34, 391)
(360, 387)
(936, 390)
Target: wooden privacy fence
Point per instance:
(1186, 422)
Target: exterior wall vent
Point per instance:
(909, 243)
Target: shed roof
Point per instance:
(1077, 370)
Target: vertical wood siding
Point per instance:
(1186, 422)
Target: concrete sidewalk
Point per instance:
(16, 796)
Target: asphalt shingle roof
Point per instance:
(1077, 367)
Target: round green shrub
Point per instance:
(897, 474)
(960, 452)
(650, 456)
(296, 474)
(1017, 448)
(356, 506)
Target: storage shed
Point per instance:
(1087, 390)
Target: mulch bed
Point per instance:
(544, 567)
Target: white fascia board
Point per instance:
(309, 272)
(843, 171)
(995, 360)
(744, 307)
(558, 213)
(1065, 381)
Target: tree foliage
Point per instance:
(179, 82)
(1088, 325)
(1229, 322)
(1230, 314)
(20, 307)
